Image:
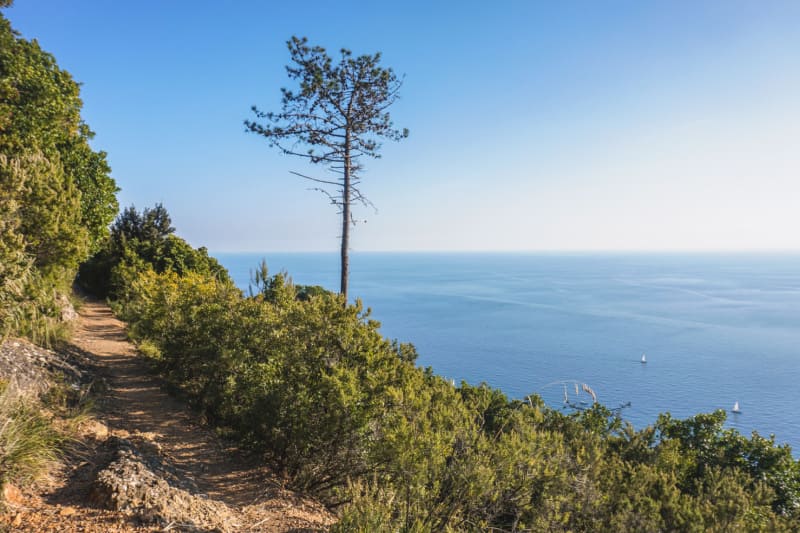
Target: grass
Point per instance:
(29, 444)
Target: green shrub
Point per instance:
(312, 385)
(149, 349)
(139, 241)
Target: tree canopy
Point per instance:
(139, 241)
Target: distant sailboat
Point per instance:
(644, 358)
(736, 408)
(566, 398)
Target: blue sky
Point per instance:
(534, 126)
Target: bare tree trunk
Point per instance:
(346, 221)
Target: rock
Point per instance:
(96, 430)
(34, 369)
(68, 313)
(12, 495)
(17, 520)
(67, 511)
(20, 364)
(149, 488)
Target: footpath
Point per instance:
(145, 462)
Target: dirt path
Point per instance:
(136, 404)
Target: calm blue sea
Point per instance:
(716, 328)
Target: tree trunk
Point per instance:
(346, 221)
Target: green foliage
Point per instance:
(56, 195)
(40, 120)
(15, 266)
(346, 414)
(29, 295)
(139, 241)
(705, 445)
(372, 507)
(49, 210)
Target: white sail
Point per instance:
(566, 398)
(644, 358)
(736, 407)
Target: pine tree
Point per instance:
(336, 117)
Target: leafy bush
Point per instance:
(56, 195)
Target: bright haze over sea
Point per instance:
(716, 328)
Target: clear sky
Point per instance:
(600, 125)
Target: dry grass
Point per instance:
(29, 444)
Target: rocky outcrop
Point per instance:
(32, 368)
(67, 311)
(141, 483)
(25, 364)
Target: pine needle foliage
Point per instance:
(336, 117)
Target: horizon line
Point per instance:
(530, 251)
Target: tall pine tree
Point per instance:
(336, 117)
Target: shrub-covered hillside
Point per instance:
(311, 384)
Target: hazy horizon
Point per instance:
(332, 253)
(532, 252)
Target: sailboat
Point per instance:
(566, 398)
(644, 358)
(736, 408)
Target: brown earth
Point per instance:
(244, 494)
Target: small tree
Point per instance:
(336, 117)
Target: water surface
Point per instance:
(716, 328)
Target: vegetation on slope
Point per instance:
(348, 416)
(310, 383)
(28, 442)
(139, 240)
(56, 195)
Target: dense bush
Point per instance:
(56, 195)
(346, 414)
(139, 241)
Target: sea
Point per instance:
(716, 328)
